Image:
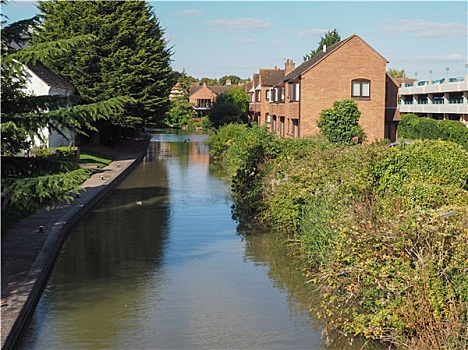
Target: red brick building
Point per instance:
(260, 93)
(203, 96)
(350, 69)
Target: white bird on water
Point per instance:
(139, 203)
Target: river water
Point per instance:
(160, 265)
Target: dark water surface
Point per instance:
(172, 273)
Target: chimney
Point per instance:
(228, 82)
(289, 66)
(324, 48)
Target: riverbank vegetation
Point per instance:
(413, 127)
(380, 230)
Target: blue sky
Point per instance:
(216, 38)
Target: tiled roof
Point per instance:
(49, 77)
(218, 90)
(270, 77)
(319, 57)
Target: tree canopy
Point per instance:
(330, 38)
(396, 73)
(181, 110)
(230, 107)
(23, 116)
(129, 56)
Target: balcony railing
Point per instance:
(456, 100)
(433, 82)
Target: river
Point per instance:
(160, 265)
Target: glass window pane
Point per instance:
(356, 88)
(365, 89)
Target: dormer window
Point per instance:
(360, 88)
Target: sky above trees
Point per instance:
(215, 38)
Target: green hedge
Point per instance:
(381, 230)
(413, 127)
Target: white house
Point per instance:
(42, 81)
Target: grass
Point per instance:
(88, 158)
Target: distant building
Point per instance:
(445, 98)
(203, 96)
(260, 92)
(42, 81)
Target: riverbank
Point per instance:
(31, 246)
(381, 231)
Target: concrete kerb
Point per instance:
(95, 191)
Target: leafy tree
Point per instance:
(340, 123)
(330, 38)
(209, 81)
(181, 109)
(396, 73)
(23, 116)
(230, 107)
(234, 79)
(129, 57)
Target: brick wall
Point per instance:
(330, 80)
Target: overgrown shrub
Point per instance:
(381, 230)
(220, 140)
(340, 123)
(413, 127)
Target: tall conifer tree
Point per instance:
(129, 57)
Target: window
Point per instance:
(360, 88)
(267, 118)
(294, 92)
(282, 94)
(268, 95)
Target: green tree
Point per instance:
(209, 81)
(230, 107)
(396, 73)
(38, 182)
(181, 109)
(340, 123)
(22, 116)
(129, 57)
(330, 38)
(234, 79)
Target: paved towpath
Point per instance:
(28, 253)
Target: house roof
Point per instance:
(49, 77)
(321, 56)
(216, 89)
(270, 77)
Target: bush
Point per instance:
(220, 140)
(371, 225)
(340, 123)
(413, 127)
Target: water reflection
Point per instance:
(172, 273)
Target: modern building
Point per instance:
(445, 98)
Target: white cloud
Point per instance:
(241, 23)
(189, 13)
(312, 32)
(425, 28)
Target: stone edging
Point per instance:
(36, 279)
